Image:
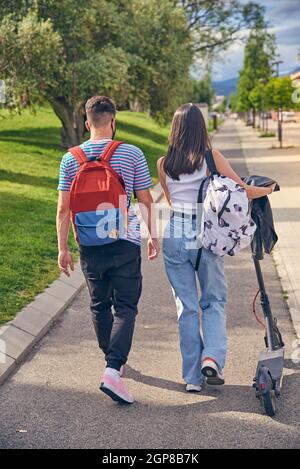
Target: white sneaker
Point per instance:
(193, 388)
(214, 376)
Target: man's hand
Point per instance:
(147, 208)
(153, 248)
(65, 261)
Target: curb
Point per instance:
(19, 336)
(286, 284)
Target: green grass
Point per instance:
(267, 134)
(30, 154)
(285, 295)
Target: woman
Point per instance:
(181, 172)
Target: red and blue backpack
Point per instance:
(98, 199)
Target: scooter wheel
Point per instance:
(267, 392)
(269, 403)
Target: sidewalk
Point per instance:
(54, 395)
(284, 166)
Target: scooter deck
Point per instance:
(274, 361)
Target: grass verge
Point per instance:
(30, 154)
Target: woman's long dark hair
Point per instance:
(188, 142)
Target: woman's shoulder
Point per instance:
(160, 169)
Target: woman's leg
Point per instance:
(182, 278)
(213, 299)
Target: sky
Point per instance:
(284, 18)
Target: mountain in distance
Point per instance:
(225, 87)
(296, 69)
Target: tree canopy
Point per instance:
(279, 92)
(202, 91)
(257, 69)
(137, 51)
(215, 24)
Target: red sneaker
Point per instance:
(214, 376)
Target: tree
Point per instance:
(257, 98)
(279, 92)
(233, 102)
(258, 56)
(30, 58)
(215, 24)
(52, 53)
(137, 52)
(201, 91)
(160, 49)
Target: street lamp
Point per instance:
(277, 63)
(279, 110)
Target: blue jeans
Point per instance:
(180, 254)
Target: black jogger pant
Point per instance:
(113, 276)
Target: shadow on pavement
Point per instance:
(65, 418)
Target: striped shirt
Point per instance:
(128, 161)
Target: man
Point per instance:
(112, 271)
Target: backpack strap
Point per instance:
(79, 155)
(209, 158)
(198, 259)
(109, 150)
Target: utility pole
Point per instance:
(279, 110)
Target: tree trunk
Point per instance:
(72, 119)
(254, 118)
(249, 118)
(136, 105)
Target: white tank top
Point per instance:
(184, 193)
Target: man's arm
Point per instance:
(147, 207)
(65, 260)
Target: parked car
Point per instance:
(289, 116)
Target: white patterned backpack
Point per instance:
(226, 226)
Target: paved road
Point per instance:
(54, 395)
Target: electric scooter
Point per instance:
(268, 377)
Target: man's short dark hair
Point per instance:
(100, 110)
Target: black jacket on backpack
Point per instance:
(265, 236)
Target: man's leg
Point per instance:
(126, 281)
(100, 290)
